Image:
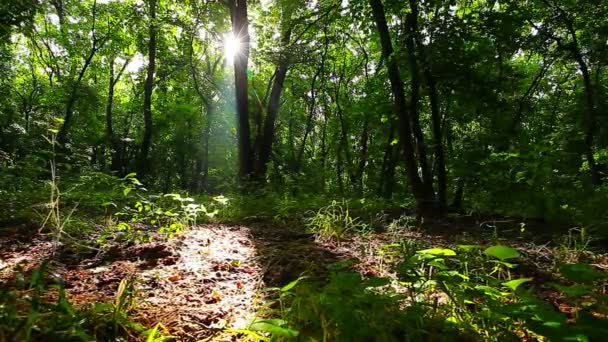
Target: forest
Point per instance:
(303, 170)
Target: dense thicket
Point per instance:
(467, 104)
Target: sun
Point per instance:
(232, 46)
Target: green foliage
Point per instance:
(36, 308)
(351, 308)
(168, 214)
(574, 246)
(334, 220)
(444, 294)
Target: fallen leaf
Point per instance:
(239, 285)
(216, 295)
(174, 278)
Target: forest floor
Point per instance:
(209, 278)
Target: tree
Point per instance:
(143, 165)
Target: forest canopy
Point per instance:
(486, 105)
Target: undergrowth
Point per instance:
(334, 220)
(470, 293)
(36, 308)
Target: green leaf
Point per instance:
(273, 326)
(152, 334)
(452, 275)
(291, 285)
(515, 283)
(213, 213)
(502, 252)
(130, 175)
(491, 292)
(469, 248)
(376, 282)
(574, 291)
(581, 273)
(221, 199)
(438, 251)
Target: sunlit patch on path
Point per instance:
(210, 283)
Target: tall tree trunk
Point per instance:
(240, 29)
(387, 177)
(143, 164)
(312, 104)
(274, 103)
(590, 121)
(62, 136)
(362, 157)
(272, 111)
(111, 141)
(427, 178)
(440, 170)
(435, 114)
(96, 43)
(422, 196)
(205, 156)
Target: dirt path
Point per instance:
(197, 284)
(206, 279)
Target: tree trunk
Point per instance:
(274, 103)
(590, 122)
(427, 179)
(240, 23)
(62, 136)
(596, 178)
(387, 177)
(110, 143)
(362, 157)
(423, 198)
(143, 164)
(269, 122)
(435, 114)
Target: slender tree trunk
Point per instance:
(324, 135)
(427, 178)
(362, 157)
(269, 122)
(240, 29)
(423, 198)
(312, 105)
(62, 136)
(339, 170)
(458, 195)
(524, 100)
(590, 121)
(440, 168)
(272, 111)
(387, 177)
(110, 143)
(143, 164)
(205, 156)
